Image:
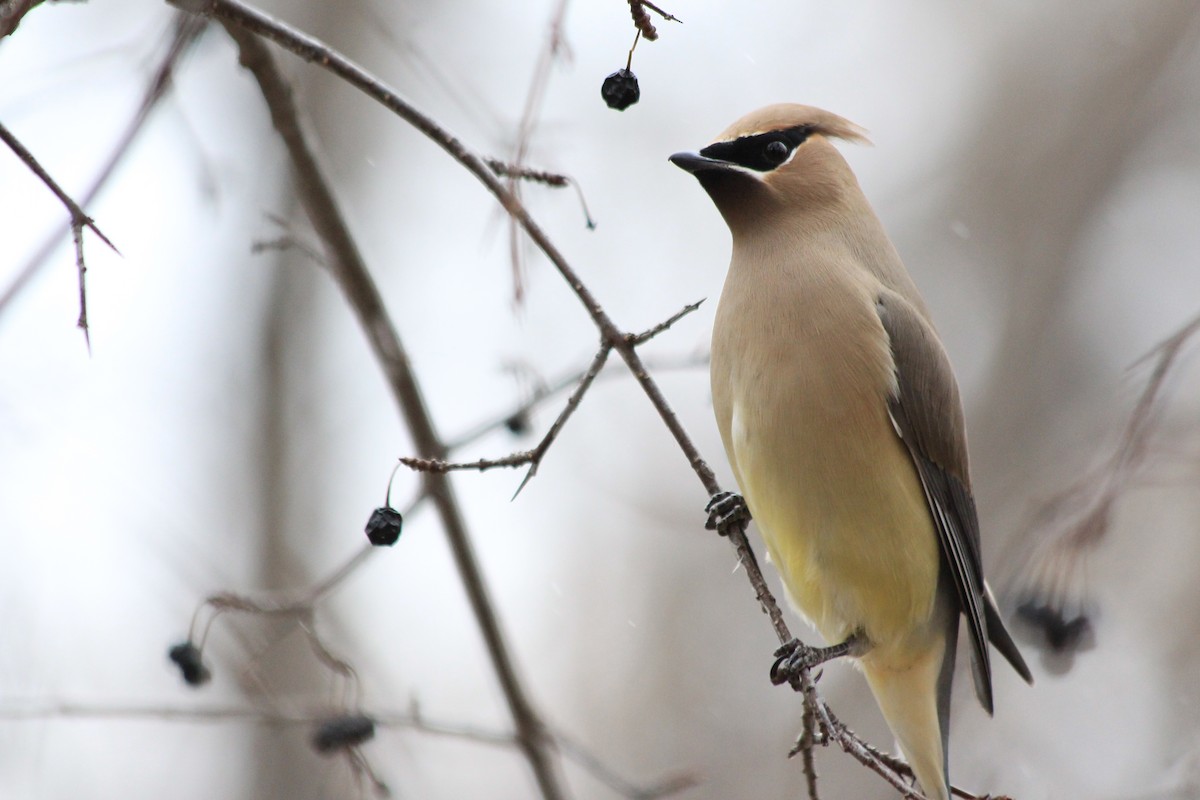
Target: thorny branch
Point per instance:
(531, 457)
(534, 457)
(238, 15)
(517, 419)
(186, 30)
(79, 220)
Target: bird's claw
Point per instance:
(726, 509)
(796, 657)
(791, 659)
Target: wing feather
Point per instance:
(927, 414)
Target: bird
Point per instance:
(842, 421)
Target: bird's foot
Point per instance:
(726, 509)
(795, 657)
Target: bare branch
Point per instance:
(81, 268)
(79, 220)
(835, 731)
(523, 173)
(645, 336)
(805, 747)
(385, 719)
(515, 418)
(641, 20)
(534, 457)
(569, 409)
(413, 719)
(518, 172)
(531, 457)
(439, 467)
(186, 30)
(350, 272)
(660, 12)
(77, 216)
(552, 48)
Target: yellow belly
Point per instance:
(803, 412)
(845, 521)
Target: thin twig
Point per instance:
(297, 603)
(77, 215)
(531, 457)
(518, 172)
(81, 269)
(660, 12)
(561, 420)
(79, 220)
(524, 173)
(440, 467)
(553, 46)
(534, 457)
(412, 720)
(545, 391)
(352, 276)
(384, 719)
(805, 746)
(186, 30)
(645, 336)
(835, 731)
(642, 19)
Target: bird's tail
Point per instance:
(916, 705)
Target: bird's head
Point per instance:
(774, 161)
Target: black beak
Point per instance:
(694, 162)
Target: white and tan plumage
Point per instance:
(842, 421)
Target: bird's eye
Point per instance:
(776, 152)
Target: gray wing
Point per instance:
(927, 414)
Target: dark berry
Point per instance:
(187, 657)
(518, 423)
(383, 528)
(620, 90)
(342, 732)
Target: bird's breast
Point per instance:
(801, 374)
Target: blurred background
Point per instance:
(1038, 166)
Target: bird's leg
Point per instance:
(796, 656)
(726, 509)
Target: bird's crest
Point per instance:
(790, 116)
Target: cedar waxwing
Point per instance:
(842, 421)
